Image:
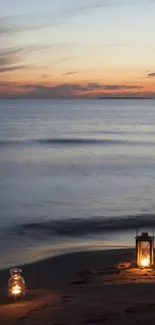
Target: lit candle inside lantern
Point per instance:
(16, 290)
(145, 262)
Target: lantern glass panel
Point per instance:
(144, 258)
(16, 284)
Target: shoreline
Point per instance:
(58, 271)
(94, 254)
(32, 252)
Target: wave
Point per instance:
(72, 141)
(81, 227)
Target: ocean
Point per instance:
(74, 175)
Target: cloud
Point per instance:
(4, 26)
(90, 5)
(63, 59)
(55, 91)
(69, 90)
(33, 21)
(121, 87)
(151, 75)
(12, 68)
(18, 23)
(69, 73)
(45, 76)
(11, 57)
(93, 85)
(9, 60)
(36, 20)
(15, 56)
(87, 5)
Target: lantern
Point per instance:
(144, 250)
(16, 284)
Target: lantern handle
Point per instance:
(136, 231)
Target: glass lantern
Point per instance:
(16, 284)
(144, 250)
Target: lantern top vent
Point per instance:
(144, 237)
(15, 272)
(145, 234)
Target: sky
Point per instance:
(84, 48)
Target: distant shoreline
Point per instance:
(125, 98)
(78, 98)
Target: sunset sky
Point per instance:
(67, 48)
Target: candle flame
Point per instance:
(16, 290)
(145, 262)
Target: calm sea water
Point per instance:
(73, 173)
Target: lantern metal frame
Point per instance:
(145, 252)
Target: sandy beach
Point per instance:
(96, 287)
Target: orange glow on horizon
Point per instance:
(25, 81)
